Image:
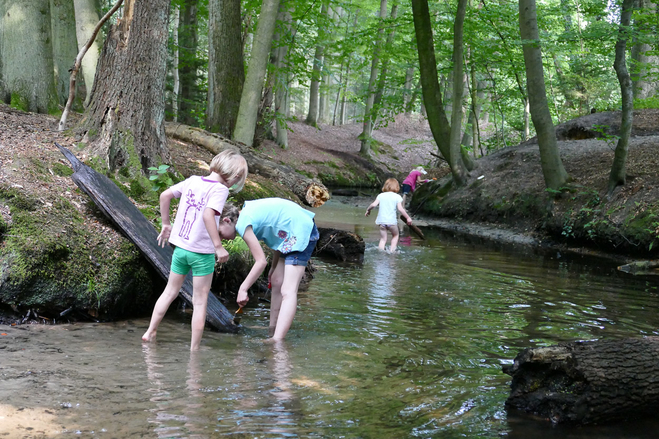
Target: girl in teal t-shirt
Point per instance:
(291, 232)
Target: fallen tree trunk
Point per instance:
(587, 382)
(339, 244)
(641, 267)
(128, 218)
(310, 192)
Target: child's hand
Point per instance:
(221, 255)
(242, 298)
(164, 235)
(409, 221)
(368, 212)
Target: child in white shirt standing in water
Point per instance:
(389, 201)
(202, 221)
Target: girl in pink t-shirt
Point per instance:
(202, 221)
(410, 182)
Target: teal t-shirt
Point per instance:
(281, 224)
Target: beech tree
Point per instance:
(226, 74)
(124, 121)
(552, 167)
(618, 169)
(27, 55)
(258, 62)
(65, 49)
(86, 16)
(314, 88)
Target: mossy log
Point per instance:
(127, 217)
(587, 382)
(641, 267)
(339, 244)
(310, 192)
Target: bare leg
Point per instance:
(394, 237)
(174, 284)
(201, 285)
(292, 277)
(276, 280)
(383, 238)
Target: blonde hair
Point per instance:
(230, 211)
(230, 165)
(391, 185)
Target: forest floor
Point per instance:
(488, 200)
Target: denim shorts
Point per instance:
(302, 258)
(201, 264)
(406, 189)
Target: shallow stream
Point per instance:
(404, 345)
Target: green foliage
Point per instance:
(161, 180)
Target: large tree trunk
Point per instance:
(27, 55)
(87, 15)
(310, 192)
(365, 136)
(382, 81)
(455, 158)
(125, 118)
(644, 66)
(314, 88)
(282, 36)
(65, 49)
(618, 169)
(188, 62)
(552, 167)
(587, 382)
(432, 99)
(226, 72)
(258, 62)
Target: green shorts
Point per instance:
(200, 263)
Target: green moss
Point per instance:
(62, 170)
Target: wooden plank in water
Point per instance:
(127, 218)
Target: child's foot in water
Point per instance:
(149, 337)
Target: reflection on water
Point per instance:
(405, 345)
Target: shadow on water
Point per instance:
(404, 345)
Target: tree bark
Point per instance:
(188, 62)
(258, 62)
(382, 80)
(618, 173)
(587, 382)
(124, 121)
(27, 55)
(552, 167)
(310, 192)
(65, 49)
(314, 88)
(432, 99)
(455, 158)
(87, 14)
(644, 66)
(176, 86)
(339, 244)
(226, 72)
(365, 136)
(282, 36)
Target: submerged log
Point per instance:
(127, 217)
(310, 192)
(641, 267)
(339, 244)
(587, 382)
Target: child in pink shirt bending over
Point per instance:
(202, 221)
(410, 182)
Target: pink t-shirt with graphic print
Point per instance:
(196, 194)
(412, 178)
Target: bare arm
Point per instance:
(402, 210)
(260, 263)
(165, 201)
(371, 206)
(221, 254)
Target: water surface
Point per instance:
(404, 345)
